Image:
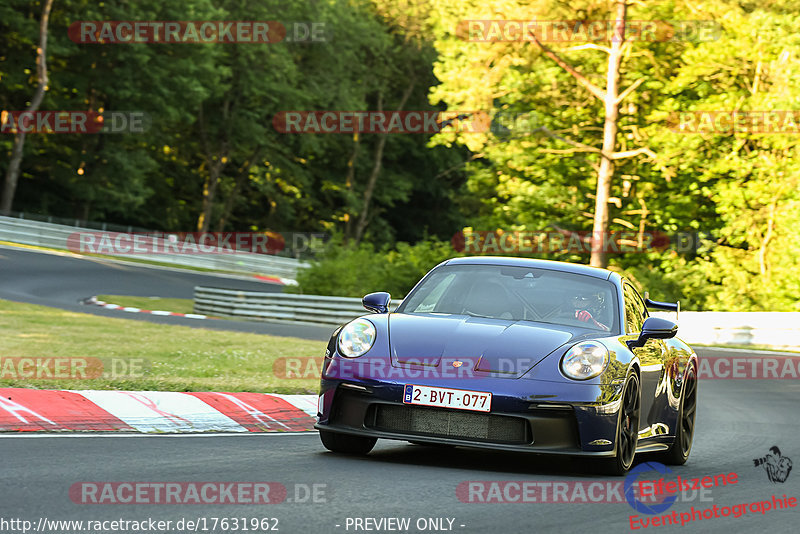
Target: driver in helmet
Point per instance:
(587, 305)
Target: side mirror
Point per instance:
(654, 328)
(377, 302)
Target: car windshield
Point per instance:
(517, 294)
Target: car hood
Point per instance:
(495, 346)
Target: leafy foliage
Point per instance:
(353, 270)
(212, 159)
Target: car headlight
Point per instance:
(356, 338)
(585, 360)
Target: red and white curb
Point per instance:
(153, 411)
(95, 302)
(276, 280)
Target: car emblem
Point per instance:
(457, 363)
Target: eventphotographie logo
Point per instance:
(777, 466)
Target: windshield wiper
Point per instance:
(481, 316)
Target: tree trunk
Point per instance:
(605, 173)
(209, 192)
(242, 175)
(368, 192)
(361, 226)
(373, 179)
(12, 173)
(214, 169)
(349, 183)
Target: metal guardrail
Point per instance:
(50, 235)
(779, 330)
(278, 307)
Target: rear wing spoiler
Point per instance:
(666, 306)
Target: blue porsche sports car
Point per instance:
(513, 354)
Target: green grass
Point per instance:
(150, 303)
(172, 358)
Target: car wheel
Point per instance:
(346, 443)
(627, 428)
(678, 453)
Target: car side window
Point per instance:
(641, 305)
(635, 312)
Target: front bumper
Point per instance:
(527, 415)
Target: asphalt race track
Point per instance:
(64, 280)
(738, 421)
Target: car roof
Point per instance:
(562, 266)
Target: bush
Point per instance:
(355, 270)
(673, 280)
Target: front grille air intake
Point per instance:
(448, 423)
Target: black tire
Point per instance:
(346, 443)
(678, 453)
(627, 429)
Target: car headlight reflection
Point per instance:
(356, 338)
(585, 360)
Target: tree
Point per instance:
(12, 172)
(511, 56)
(748, 178)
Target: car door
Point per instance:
(651, 358)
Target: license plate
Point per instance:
(460, 399)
